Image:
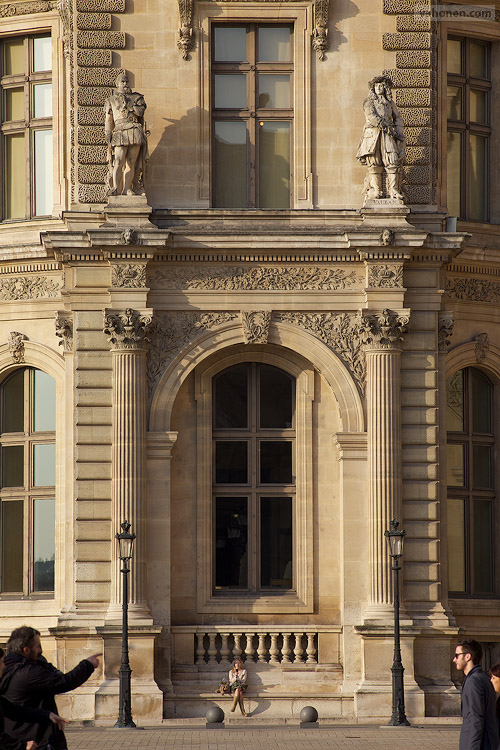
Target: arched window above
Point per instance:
(27, 482)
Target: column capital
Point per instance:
(128, 329)
(384, 329)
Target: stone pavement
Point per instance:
(285, 737)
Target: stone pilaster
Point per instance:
(127, 332)
(383, 335)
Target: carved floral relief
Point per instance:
(127, 330)
(445, 329)
(474, 289)
(385, 276)
(384, 329)
(16, 346)
(28, 287)
(128, 275)
(64, 330)
(256, 326)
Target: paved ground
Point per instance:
(286, 737)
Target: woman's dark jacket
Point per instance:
(33, 685)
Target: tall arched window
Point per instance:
(27, 473)
(470, 480)
(253, 438)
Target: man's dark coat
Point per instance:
(34, 684)
(479, 723)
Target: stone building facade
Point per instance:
(258, 390)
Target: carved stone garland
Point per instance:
(482, 347)
(16, 346)
(445, 329)
(32, 6)
(256, 326)
(64, 330)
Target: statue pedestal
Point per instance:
(385, 211)
(128, 210)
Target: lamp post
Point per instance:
(395, 539)
(126, 546)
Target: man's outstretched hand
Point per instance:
(57, 720)
(31, 745)
(94, 659)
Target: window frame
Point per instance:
(299, 15)
(301, 598)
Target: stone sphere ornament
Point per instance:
(308, 715)
(214, 715)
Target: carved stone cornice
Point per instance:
(482, 347)
(262, 277)
(172, 331)
(64, 330)
(128, 275)
(385, 276)
(385, 329)
(256, 326)
(445, 329)
(473, 289)
(127, 330)
(24, 8)
(340, 332)
(16, 346)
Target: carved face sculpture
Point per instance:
(122, 84)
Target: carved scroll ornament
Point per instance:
(64, 330)
(445, 329)
(16, 346)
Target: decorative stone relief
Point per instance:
(384, 329)
(340, 332)
(445, 329)
(22, 9)
(256, 326)
(129, 237)
(127, 330)
(385, 276)
(128, 275)
(284, 278)
(16, 346)
(65, 8)
(185, 42)
(171, 332)
(320, 41)
(482, 347)
(387, 237)
(474, 290)
(28, 287)
(64, 330)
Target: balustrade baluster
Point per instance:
(285, 649)
(237, 647)
(273, 650)
(200, 648)
(261, 648)
(224, 649)
(298, 650)
(249, 649)
(311, 649)
(212, 649)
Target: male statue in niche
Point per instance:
(127, 139)
(382, 146)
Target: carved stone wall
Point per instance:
(414, 78)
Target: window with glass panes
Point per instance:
(468, 113)
(252, 115)
(27, 473)
(26, 126)
(253, 478)
(470, 480)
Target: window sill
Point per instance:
(279, 603)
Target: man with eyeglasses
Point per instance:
(479, 726)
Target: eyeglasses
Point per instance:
(460, 653)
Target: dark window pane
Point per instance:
(231, 535)
(275, 462)
(231, 398)
(478, 64)
(45, 402)
(231, 462)
(456, 543)
(455, 465)
(13, 403)
(276, 394)
(43, 544)
(274, 44)
(481, 402)
(274, 164)
(276, 541)
(454, 102)
(479, 106)
(230, 44)
(478, 177)
(454, 56)
(12, 545)
(481, 466)
(483, 552)
(453, 172)
(12, 466)
(230, 164)
(455, 402)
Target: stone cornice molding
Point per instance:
(127, 330)
(385, 329)
(319, 41)
(25, 8)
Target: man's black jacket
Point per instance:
(34, 684)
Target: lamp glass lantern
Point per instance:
(125, 542)
(395, 538)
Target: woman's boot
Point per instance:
(235, 702)
(242, 705)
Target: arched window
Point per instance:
(253, 439)
(27, 473)
(471, 483)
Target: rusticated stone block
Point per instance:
(413, 97)
(417, 175)
(98, 21)
(106, 6)
(415, 22)
(393, 7)
(418, 194)
(418, 136)
(416, 155)
(93, 97)
(92, 154)
(89, 174)
(91, 136)
(413, 78)
(100, 39)
(407, 40)
(413, 116)
(92, 193)
(413, 59)
(90, 116)
(98, 76)
(94, 58)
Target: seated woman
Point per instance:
(238, 684)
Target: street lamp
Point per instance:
(126, 546)
(395, 539)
